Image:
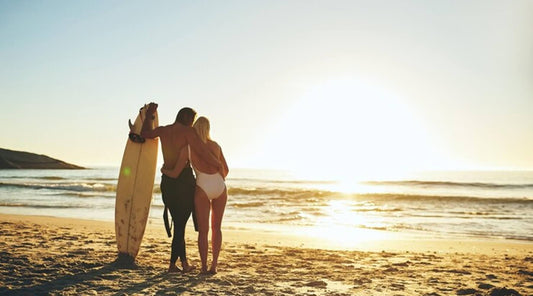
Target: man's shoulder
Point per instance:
(162, 130)
(166, 127)
(176, 128)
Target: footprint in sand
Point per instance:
(317, 284)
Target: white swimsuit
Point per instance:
(212, 184)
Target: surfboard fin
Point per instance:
(130, 125)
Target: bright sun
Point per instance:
(346, 129)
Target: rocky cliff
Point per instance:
(10, 159)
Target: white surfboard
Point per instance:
(134, 188)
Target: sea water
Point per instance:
(456, 205)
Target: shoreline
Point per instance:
(62, 256)
(378, 240)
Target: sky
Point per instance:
(351, 87)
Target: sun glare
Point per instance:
(352, 186)
(350, 130)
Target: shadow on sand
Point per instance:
(58, 284)
(121, 272)
(164, 283)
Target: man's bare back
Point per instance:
(171, 143)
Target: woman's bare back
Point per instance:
(201, 164)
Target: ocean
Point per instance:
(490, 205)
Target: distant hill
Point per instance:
(10, 159)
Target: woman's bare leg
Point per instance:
(202, 206)
(218, 206)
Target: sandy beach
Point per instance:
(56, 256)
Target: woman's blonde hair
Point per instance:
(201, 125)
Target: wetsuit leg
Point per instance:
(178, 196)
(180, 216)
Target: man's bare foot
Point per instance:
(188, 268)
(173, 268)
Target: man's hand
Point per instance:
(152, 107)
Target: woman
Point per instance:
(210, 193)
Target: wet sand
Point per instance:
(56, 256)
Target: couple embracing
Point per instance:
(184, 145)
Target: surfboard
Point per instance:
(135, 188)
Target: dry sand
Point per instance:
(54, 256)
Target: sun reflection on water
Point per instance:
(342, 225)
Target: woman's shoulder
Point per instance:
(213, 144)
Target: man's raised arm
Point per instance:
(147, 131)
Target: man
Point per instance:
(178, 193)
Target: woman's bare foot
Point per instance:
(213, 269)
(173, 268)
(204, 271)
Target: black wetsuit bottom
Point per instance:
(178, 196)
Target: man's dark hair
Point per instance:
(185, 115)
